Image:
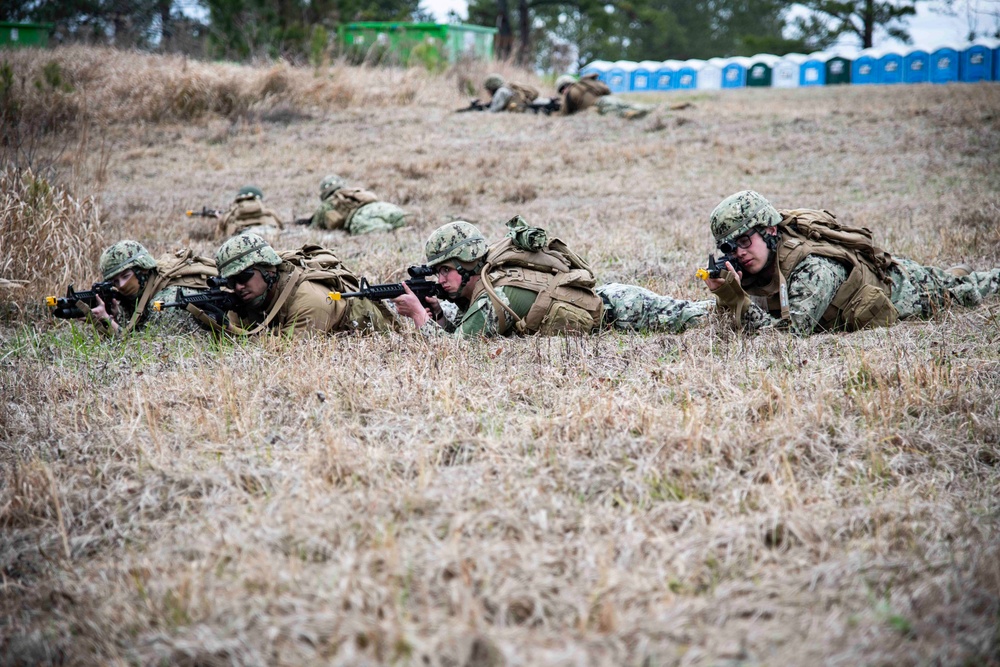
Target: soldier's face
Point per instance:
(127, 283)
(449, 279)
(249, 285)
(753, 258)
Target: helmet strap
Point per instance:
(466, 274)
(771, 241)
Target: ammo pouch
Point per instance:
(861, 305)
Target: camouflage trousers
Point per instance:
(634, 308)
(378, 216)
(616, 105)
(922, 291)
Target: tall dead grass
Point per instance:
(48, 237)
(127, 87)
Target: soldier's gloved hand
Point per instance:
(729, 293)
(215, 312)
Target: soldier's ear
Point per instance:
(772, 230)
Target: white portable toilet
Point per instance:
(710, 74)
(785, 73)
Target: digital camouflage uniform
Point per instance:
(813, 282)
(589, 92)
(248, 214)
(917, 291)
(634, 308)
(159, 280)
(508, 96)
(297, 299)
(626, 307)
(355, 210)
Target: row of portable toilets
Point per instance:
(979, 61)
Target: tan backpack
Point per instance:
(864, 298)
(563, 282)
(523, 95)
(180, 269)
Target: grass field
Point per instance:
(698, 499)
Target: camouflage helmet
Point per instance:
(739, 213)
(563, 81)
(493, 82)
(250, 190)
(457, 240)
(125, 255)
(243, 251)
(329, 185)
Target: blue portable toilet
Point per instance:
(600, 67)
(864, 69)
(644, 76)
(916, 66)
(666, 75)
(734, 72)
(944, 65)
(890, 68)
(687, 74)
(977, 63)
(620, 76)
(812, 71)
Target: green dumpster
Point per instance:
(838, 70)
(417, 43)
(16, 35)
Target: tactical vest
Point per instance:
(863, 299)
(245, 213)
(584, 94)
(180, 269)
(565, 300)
(343, 204)
(314, 263)
(522, 95)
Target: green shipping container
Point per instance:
(15, 35)
(838, 70)
(418, 43)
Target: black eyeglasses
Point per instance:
(739, 242)
(241, 278)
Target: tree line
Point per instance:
(545, 34)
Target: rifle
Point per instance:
(214, 301)
(717, 265)
(303, 221)
(65, 307)
(205, 212)
(474, 105)
(418, 284)
(548, 107)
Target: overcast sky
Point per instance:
(928, 28)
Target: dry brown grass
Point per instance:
(702, 499)
(48, 237)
